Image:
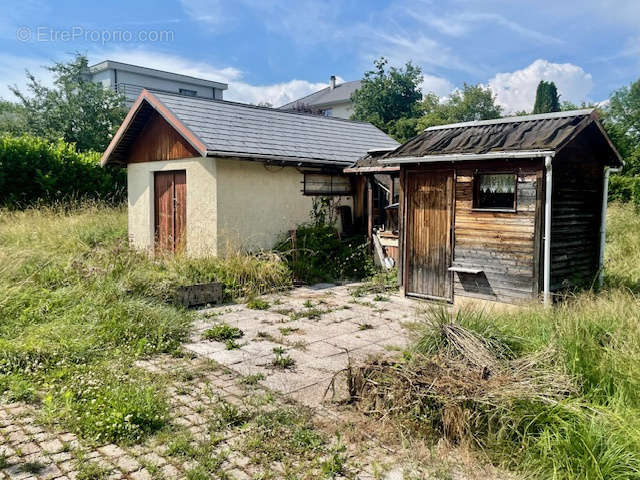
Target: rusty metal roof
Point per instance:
(527, 134)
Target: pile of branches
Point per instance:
(460, 386)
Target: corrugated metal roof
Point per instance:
(327, 96)
(545, 132)
(228, 128)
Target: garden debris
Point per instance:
(454, 386)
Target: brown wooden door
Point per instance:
(428, 234)
(170, 195)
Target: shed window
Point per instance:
(495, 191)
(326, 184)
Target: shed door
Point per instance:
(428, 234)
(170, 195)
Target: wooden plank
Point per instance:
(159, 141)
(180, 209)
(428, 242)
(163, 210)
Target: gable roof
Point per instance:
(327, 96)
(524, 136)
(222, 128)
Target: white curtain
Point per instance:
(498, 183)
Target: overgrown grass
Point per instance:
(76, 298)
(550, 392)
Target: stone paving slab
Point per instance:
(320, 328)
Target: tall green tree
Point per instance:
(388, 95)
(622, 121)
(471, 102)
(75, 109)
(547, 98)
(12, 118)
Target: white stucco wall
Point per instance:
(258, 203)
(342, 110)
(231, 203)
(200, 208)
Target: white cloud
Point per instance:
(517, 90)
(438, 85)
(461, 24)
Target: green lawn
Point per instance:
(79, 307)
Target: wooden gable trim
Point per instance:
(159, 141)
(147, 97)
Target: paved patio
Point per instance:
(321, 328)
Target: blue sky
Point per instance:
(277, 50)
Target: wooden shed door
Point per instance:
(428, 234)
(170, 202)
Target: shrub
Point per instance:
(34, 170)
(625, 189)
(319, 253)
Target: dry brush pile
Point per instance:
(524, 408)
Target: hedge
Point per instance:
(624, 189)
(34, 170)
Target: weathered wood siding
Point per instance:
(429, 218)
(575, 220)
(170, 198)
(160, 141)
(502, 244)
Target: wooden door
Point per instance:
(170, 195)
(428, 234)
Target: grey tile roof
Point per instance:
(228, 128)
(327, 96)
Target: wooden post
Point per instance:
(370, 211)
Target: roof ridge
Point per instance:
(326, 89)
(514, 119)
(260, 107)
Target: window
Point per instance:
(326, 184)
(495, 191)
(186, 91)
(327, 112)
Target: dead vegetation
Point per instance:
(452, 379)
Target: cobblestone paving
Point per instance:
(321, 329)
(29, 451)
(33, 450)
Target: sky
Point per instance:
(278, 50)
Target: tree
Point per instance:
(388, 95)
(12, 118)
(472, 102)
(622, 121)
(75, 109)
(547, 99)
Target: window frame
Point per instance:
(476, 192)
(188, 92)
(326, 193)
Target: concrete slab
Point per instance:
(362, 327)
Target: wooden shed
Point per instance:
(506, 210)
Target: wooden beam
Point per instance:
(370, 211)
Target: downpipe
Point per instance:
(603, 221)
(547, 231)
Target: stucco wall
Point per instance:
(258, 203)
(342, 110)
(200, 208)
